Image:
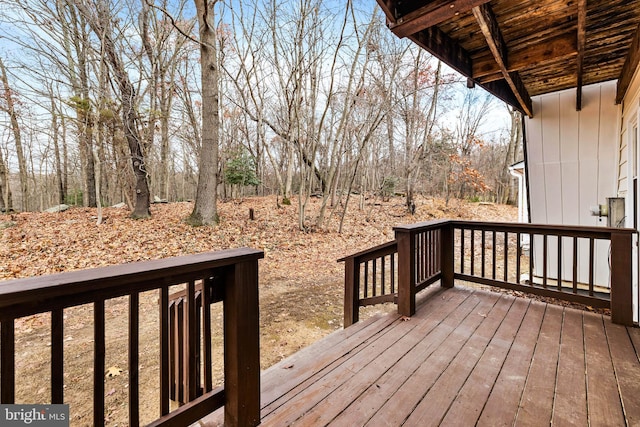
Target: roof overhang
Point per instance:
(517, 49)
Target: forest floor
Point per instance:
(301, 282)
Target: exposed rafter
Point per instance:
(486, 70)
(582, 31)
(433, 13)
(441, 46)
(491, 31)
(631, 63)
(388, 7)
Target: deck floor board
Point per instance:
(570, 405)
(468, 357)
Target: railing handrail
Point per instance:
(27, 296)
(551, 229)
(373, 252)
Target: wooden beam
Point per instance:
(485, 68)
(433, 13)
(581, 41)
(388, 7)
(491, 31)
(503, 91)
(630, 66)
(446, 49)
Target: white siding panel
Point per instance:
(550, 118)
(569, 131)
(537, 193)
(554, 192)
(570, 195)
(573, 165)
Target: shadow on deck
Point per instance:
(468, 357)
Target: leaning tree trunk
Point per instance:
(102, 27)
(15, 127)
(205, 209)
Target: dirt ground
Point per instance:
(301, 282)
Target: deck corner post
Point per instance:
(406, 272)
(446, 250)
(351, 292)
(621, 279)
(242, 346)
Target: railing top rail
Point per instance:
(110, 280)
(564, 230)
(422, 226)
(385, 247)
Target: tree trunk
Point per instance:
(205, 210)
(15, 128)
(102, 27)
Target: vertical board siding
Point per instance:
(572, 166)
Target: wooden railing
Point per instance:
(229, 276)
(557, 261)
(370, 278)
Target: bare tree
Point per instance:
(100, 19)
(205, 211)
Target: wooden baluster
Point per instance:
(180, 351)
(382, 274)
(493, 254)
(393, 273)
(366, 279)
(462, 251)
(7, 362)
(374, 272)
(545, 251)
(134, 378)
(531, 256)
(207, 285)
(591, 264)
(473, 252)
(166, 364)
(98, 362)
(482, 254)
(57, 356)
(518, 256)
(506, 256)
(575, 265)
(559, 263)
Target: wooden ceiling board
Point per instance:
(540, 38)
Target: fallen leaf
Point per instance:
(113, 371)
(110, 392)
(405, 318)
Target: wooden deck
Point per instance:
(468, 357)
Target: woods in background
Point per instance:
(133, 100)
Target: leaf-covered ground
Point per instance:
(301, 282)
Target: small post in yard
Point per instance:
(242, 346)
(406, 272)
(621, 278)
(351, 292)
(446, 255)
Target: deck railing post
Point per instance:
(621, 279)
(351, 292)
(446, 249)
(242, 346)
(406, 272)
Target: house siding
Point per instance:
(572, 158)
